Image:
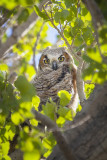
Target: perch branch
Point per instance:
(62, 143)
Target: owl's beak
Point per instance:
(54, 65)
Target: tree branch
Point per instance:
(62, 143)
(20, 31)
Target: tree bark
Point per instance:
(88, 140)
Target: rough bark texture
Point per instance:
(88, 140)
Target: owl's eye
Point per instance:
(61, 58)
(46, 61)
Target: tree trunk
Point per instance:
(87, 137)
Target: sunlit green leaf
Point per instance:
(41, 14)
(5, 147)
(49, 110)
(78, 108)
(49, 142)
(17, 118)
(32, 155)
(34, 122)
(88, 89)
(65, 97)
(60, 121)
(3, 67)
(35, 102)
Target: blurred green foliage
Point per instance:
(17, 100)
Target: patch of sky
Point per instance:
(9, 32)
(52, 35)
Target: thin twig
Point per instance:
(35, 45)
(61, 30)
(73, 40)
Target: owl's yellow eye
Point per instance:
(46, 61)
(61, 58)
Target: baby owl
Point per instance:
(54, 74)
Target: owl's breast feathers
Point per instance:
(48, 83)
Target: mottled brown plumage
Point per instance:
(54, 74)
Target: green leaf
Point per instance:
(35, 102)
(6, 157)
(34, 122)
(79, 23)
(65, 97)
(7, 5)
(49, 110)
(2, 118)
(32, 155)
(78, 108)
(41, 14)
(26, 3)
(96, 72)
(70, 115)
(3, 67)
(69, 3)
(62, 111)
(66, 113)
(64, 14)
(13, 3)
(94, 54)
(87, 35)
(26, 89)
(60, 121)
(84, 11)
(23, 16)
(78, 40)
(5, 148)
(67, 33)
(49, 142)
(89, 89)
(57, 16)
(17, 118)
(10, 131)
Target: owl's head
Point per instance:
(54, 58)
